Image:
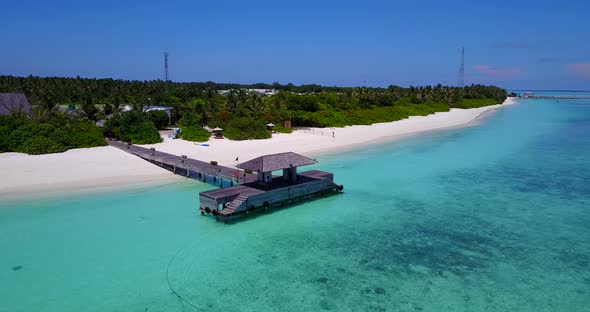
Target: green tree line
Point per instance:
(241, 113)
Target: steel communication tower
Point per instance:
(165, 66)
(461, 81)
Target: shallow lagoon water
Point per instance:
(493, 217)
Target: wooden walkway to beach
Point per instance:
(192, 168)
(236, 197)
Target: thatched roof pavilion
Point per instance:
(274, 162)
(288, 162)
(218, 132)
(269, 126)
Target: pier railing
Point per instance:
(191, 168)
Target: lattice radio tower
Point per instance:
(165, 66)
(461, 81)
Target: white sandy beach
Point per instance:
(103, 168)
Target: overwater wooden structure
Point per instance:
(268, 189)
(207, 172)
(256, 186)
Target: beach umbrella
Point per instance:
(217, 129)
(270, 124)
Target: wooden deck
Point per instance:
(235, 197)
(230, 202)
(192, 168)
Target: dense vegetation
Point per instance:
(244, 128)
(191, 129)
(21, 134)
(194, 133)
(159, 118)
(242, 114)
(132, 126)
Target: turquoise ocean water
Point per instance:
(494, 217)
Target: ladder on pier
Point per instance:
(233, 205)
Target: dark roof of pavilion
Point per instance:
(14, 103)
(276, 162)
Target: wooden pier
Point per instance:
(250, 191)
(268, 190)
(551, 97)
(213, 174)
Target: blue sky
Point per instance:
(513, 44)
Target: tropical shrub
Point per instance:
(41, 145)
(246, 128)
(7, 125)
(18, 134)
(4, 139)
(133, 127)
(143, 133)
(12, 122)
(194, 133)
(159, 118)
(281, 129)
(30, 130)
(189, 119)
(474, 103)
(334, 118)
(84, 134)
